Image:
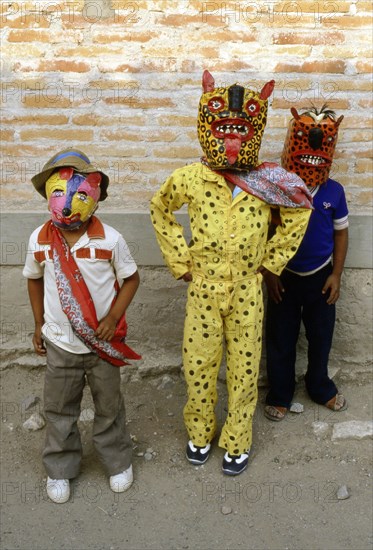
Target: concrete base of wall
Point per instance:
(156, 319)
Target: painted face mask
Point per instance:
(310, 144)
(72, 197)
(231, 123)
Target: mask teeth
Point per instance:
(233, 129)
(310, 159)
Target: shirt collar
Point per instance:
(95, 231)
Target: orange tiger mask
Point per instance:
(310, 144)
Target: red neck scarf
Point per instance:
(77, 304)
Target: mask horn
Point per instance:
(339, 121)
(208, 82)
(267, 90)
(295, 114)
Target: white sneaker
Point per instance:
(121, 482)
(58, 490)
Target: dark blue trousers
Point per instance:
(302, 301)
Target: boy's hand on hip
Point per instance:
(187, 277)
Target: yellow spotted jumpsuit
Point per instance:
(228, 245)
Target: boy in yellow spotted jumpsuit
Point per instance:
(223, 263)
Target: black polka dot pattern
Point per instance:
(216, 311)
(228, 245)
(229, 237)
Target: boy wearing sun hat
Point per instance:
(81, 279)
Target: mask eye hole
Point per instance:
(330, 139)
(252, 107)
(300, 133)
(57, 193)
(216, 104)
(82, 195)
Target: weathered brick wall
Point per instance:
(121, 80)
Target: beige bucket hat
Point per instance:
(73, 158)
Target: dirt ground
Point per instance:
(286, 499)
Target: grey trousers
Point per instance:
(65, 378)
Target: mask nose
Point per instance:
(315, 138)
(235, 97)
(66, 212)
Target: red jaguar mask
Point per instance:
(231, 122)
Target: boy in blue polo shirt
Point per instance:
(309, 287)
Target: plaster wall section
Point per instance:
(156, 318)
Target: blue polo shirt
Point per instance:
(330, 214)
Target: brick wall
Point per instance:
(121, 80)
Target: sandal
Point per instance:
(337, 403)
(275, 413)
